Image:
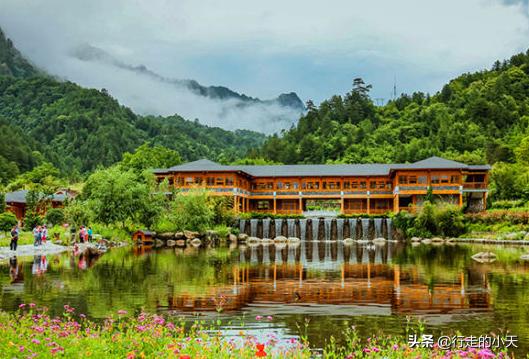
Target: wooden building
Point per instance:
(356, 188)
(16, 202)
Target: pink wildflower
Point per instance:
(269, 317)
(21, 305)
(258, 317)
(122, 312)
(35, 341)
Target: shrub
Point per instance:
(54, 216)
(7, 221)
(450, 220)
(77, 213)
(31, 220)
(441, 219)
(191, 210)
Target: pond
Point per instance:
(312, 288)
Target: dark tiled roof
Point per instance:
(20, 196)
(372, 169)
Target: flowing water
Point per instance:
(327, 284)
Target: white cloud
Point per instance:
(264, 48)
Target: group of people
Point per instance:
(85, 234)
(40, 234)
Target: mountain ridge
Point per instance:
(92, 53)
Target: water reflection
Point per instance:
(330, 273)
(329, 283)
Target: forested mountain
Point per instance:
(12, 63)
(78, 129)
(476, 118)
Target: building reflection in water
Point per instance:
(332, 273)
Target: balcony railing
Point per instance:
(474, 185)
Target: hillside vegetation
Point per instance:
(43, 119)
(480, 117)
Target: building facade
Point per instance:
(356, 188)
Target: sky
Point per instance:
(262, 49)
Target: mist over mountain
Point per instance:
(211, 105)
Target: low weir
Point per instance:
(321, 229)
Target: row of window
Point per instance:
(324, 185)
(423, 180)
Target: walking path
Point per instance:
(45, 249)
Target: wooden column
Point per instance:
(460, 200)
(368, 205)
(484, 200)
(396, 277)
(396, 204)
(236, 204)
(342, 205)
(275, 206)
(300, 205)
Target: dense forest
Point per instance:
(480, 117)
(43, 119)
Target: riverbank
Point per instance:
(46, 249)
(32, 332)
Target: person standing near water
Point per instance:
(90, 234)
(14, 238)
(43, 234)
(36, 236)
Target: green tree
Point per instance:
(54, 216)
(7, 221)
(149, 157)
(115, 196)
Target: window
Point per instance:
(403, 179)
(389, 185)
(263, 204)
(354, 184)
(346, 185)
(279, 185)
(435, 179)
(229, 181)
(269, 185)
(180, 181)
(311, 185)
(412, 180)
(372, 184)
(444, 179)
(210, 181)
(198, 180)
(295, 185)
(422, 180)
(454, 179)
(363, 184)
(189, 181)
(219, 181)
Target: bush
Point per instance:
(188, 211)
(7, 221)
(432, 220)
(450, 220)
(31, 220)
(54, 216)
(77, 213)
